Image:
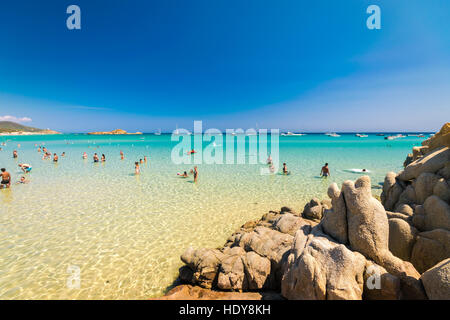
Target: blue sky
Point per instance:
(294, 65)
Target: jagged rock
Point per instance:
(441, 138)
(391, 191)
(313, 210)
(334, 221)
(323, 270)
(430, 248)
(231, 270)
(404, 209)
(437, 281)
(257, 271)
(288, 223)
(424, 185)
(368, 233)
(379, 284)
(204, 263)
(442, 190)
(437, 214)
(402, 237)
(431, 163)
(267, 243)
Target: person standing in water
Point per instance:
(103, 158)
(6, 179)
(121, 155)
(285, 168)
(55, 157)
(325, 172)
(84, 155)
(195, 174)
(95, 157)
(137, 170)
(15, 155)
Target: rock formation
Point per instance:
(352, 247)
(116, 132)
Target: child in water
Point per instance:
(137, 170)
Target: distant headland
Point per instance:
(9, 128)
(117, 131)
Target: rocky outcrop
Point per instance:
(430, 248)
(115, 132)
(313, 210)
(189, 292)
(349, 247)
(402, 237)
(322, 269)
(440, 139)
(420, 196)
(437, 281)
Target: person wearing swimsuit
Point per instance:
(325, 172)
(55, 157)
(95, 157)
(195, 174)
(15, 154)
(137, 170)
(6, 179)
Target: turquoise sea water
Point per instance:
(126, 232)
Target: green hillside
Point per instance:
(8, 126)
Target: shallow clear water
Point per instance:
(126, 232)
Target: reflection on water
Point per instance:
(126, 232)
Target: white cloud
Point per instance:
(15, 119)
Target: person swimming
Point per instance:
(325, 172)
(183, 175)
(63, 154)
(192, 151)
(22, 180)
